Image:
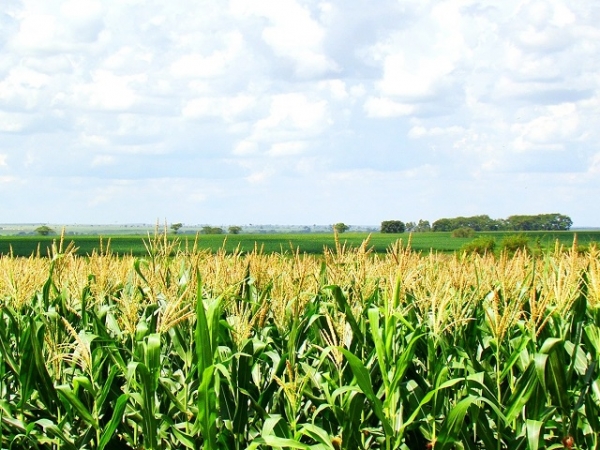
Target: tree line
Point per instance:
(538, 222)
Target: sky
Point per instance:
(298, 111)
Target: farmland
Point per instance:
(344, 347)
(311, 243)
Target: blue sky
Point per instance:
(298, 112)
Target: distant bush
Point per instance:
(481, 246)
(212, 230)
(464, 232)
(235, 229)
(393, 226)
(44, 230)
(511, 244)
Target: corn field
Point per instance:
(347, 350)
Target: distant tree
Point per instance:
(423, 226)
(410, 226)
(212, 230)
(341, 227)
(552, 222)
(175, 227)
(44, 230)
(392, 226)
(234, 229)
(442, 225)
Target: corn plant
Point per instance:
(347, 350)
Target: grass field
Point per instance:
(311, 243)
(346, 349)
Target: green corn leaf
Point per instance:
(453, 423)
(48, 285)
(146, 400)
(114, 422)
(168, 387)
(10, 422)
(558, 378)
(46, 386)
(184, 438)
(364, 382)
(25, 371)
(534, 431)
(551, 369)
(340, 298)
(592, 412)
(579, 362)
(85, 383)
(205, 342)
(549, 345)
(525, 387)
(204, 350)
(376, 335)
(276, 426)
(515, 356)
(277, 442)
(352, 419)
(427, 398)
(396, 294)
(67, 395)
(137, 265)
(404, 361)
(152, 358)
(243, 378)
(108, 385)
(592, 333)
(7, 330)
(317, 434)
(52, 430)
(540, 361)
(207, 409)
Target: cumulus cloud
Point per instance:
(134, 109)
(292, 33)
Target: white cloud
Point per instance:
(419, 71)
(286, 148)
(594, 167)
(292, 114)
(419, 131)
(103, 160)
(194, 65)
(550, 130)
(245, 148)
(337, 88)
(57, 26)
(413, 79)
(385, 107)
(292, 34)
(227, 108)
(13, 122)
(108, 91)
(22, 88)
(260, 176)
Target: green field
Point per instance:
(311, 243)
